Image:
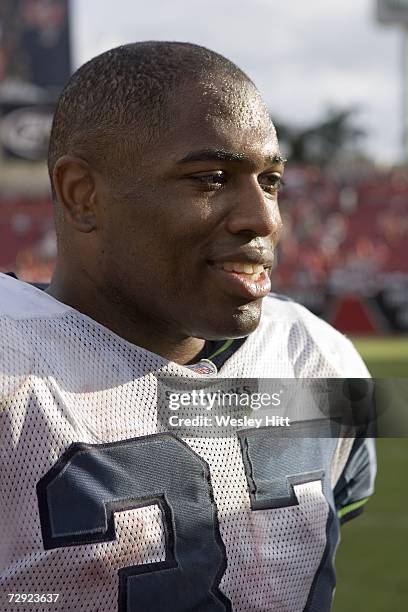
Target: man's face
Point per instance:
(188, 236)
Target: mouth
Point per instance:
(243, 279)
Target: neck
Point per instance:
(141, 330)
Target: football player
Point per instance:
(165, 171)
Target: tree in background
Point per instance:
(335, 136)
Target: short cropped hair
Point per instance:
(128, 85)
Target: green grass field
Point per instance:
(372, 562)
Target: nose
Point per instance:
(254, 212)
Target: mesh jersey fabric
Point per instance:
(66, 379)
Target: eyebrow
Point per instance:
(223, 155)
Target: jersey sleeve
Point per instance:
(356, 483)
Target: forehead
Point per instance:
(214, 115)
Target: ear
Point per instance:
(74, 186)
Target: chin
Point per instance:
(240, 323)
(247, 320)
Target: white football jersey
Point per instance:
(104, 509)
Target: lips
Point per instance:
(242, 279)
(243, 272)
(252, 271)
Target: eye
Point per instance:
(271, 183)
(211, 181)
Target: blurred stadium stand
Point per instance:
(344, 249)
(35, 63)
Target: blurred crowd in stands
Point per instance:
(27, 238)
(342, 233)
(336, 231)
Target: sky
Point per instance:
(304, 56)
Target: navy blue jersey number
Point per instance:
(159, 469)
(274, 465)
(80, 494)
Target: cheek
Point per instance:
(160, 233)
(140, 256)
(188, 238)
